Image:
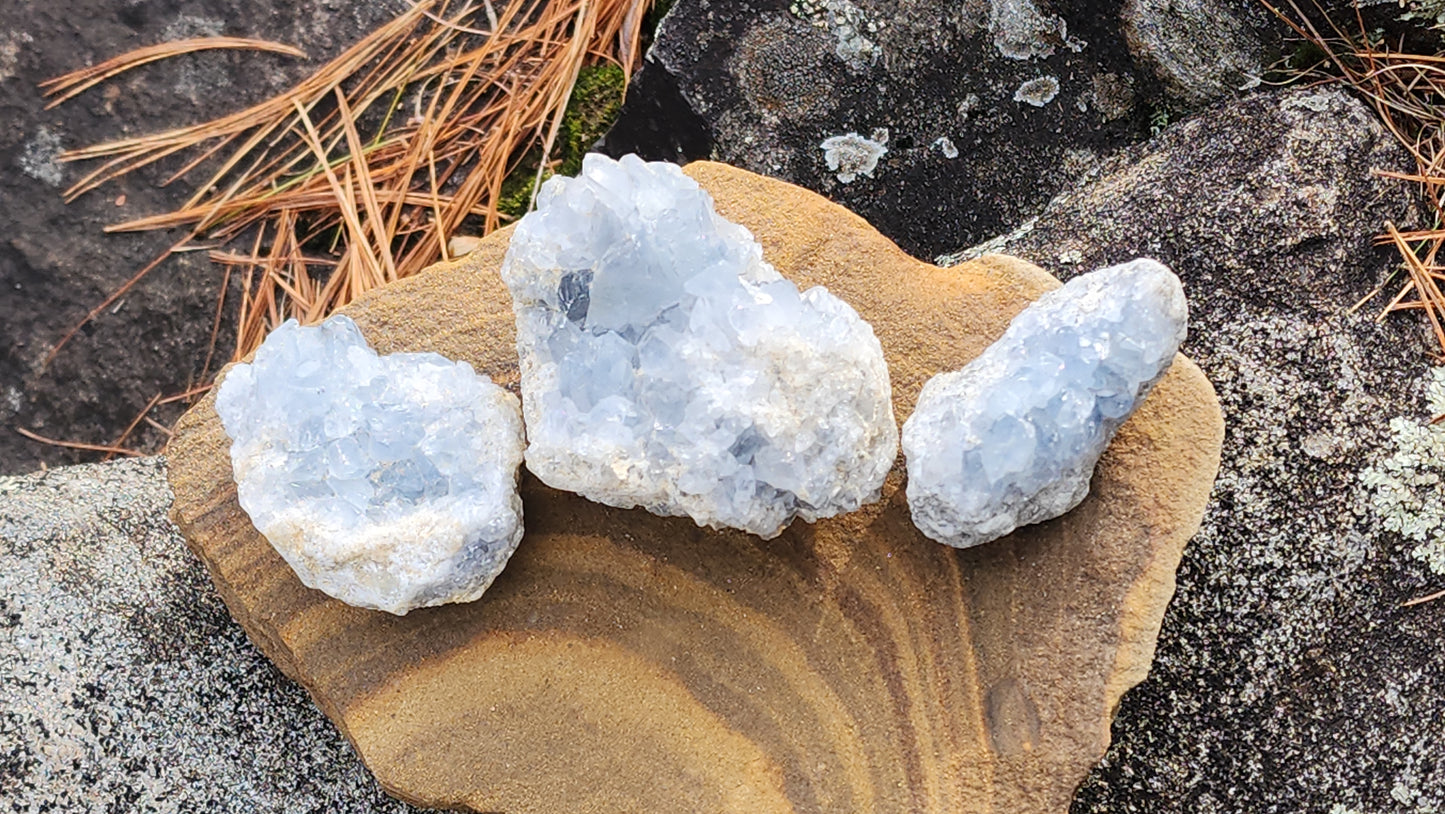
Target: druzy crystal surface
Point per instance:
(1013, 437)
(666, 365)
(388, 482)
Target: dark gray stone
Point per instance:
(1202, 50)
(124, 683)
(1288, 676)
(990, 107)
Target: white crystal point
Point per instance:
(1013, 437)
(665, 365)
(388, 482)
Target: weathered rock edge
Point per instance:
(850, 665)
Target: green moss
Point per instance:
(516, 195)
(1306, 55)
(596, 100)
(592, 108)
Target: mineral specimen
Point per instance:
(665, 365)
(388, 482)
(1012, 438)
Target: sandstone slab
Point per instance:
(628, 661)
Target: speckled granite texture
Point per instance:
(1288, 678)
(124, 684)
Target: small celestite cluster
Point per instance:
(666, 365)
(388, 482)
(1013, 437)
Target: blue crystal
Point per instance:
(388, 482)
(665, 365)
(1013, 437)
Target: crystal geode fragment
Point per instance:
(1013, 437)
(666, 365)
(388, 482)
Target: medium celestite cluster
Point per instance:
(665, 365)
(388, 482)
(1013, 437)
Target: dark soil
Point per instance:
(56, 264)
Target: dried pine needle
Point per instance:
(62, 88)
(1404, 89)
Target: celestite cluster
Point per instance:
(666, 365)
(1013, 437)
(388, 482)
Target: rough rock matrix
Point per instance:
(666, 365)
(1012, 438)
(388, 482)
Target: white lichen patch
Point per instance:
(38, 158)
(14, 400)
(1416, 788)
(188, 26)
(946, 146)
(848, 25)
(1021, 31)
(1406, 490)
(851, 155)
(1037, 92)
(10, 43)
(968, 106)
(197, 81)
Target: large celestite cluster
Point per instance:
(388, 482)
(1013, 437)
(665, 365)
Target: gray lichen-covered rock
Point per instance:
(1288, 675)
(124, 683)
(666, 365)
(1028, 93)
(1201, 49)
(388, 482)
(1013, 437)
